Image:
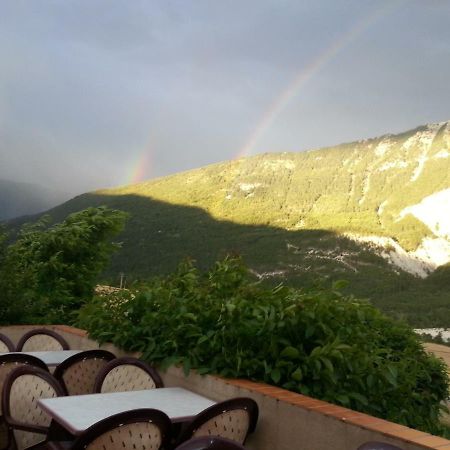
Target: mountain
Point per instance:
(374, 212)
(18, 199)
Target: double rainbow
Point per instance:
(311, 69)
(143, 164)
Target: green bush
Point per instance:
(316, 342)
(49, 272)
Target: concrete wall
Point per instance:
(288, 421)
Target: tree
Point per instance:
(48, 272)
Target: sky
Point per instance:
(101, 93)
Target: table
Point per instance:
(76, 413)
(51, 358)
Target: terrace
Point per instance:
(287, 420)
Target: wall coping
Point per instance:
(356, 418)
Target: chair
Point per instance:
(23, 388)
(210, 443)
(8, 363)
(78, 373)
(232, 419)
(144, 429)
(41, 339)
(5, 344)
(127, 374)
(375, 445)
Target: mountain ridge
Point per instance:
(22, 198)
(397, 222)
(296, 217)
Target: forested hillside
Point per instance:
(374, 212)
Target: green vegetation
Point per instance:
(47, 273)
(315, 341)
(287, 214)
(159, 235)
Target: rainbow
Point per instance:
(141, 168)
(306, 73)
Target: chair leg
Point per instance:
(5, 435)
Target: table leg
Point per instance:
(58, 436)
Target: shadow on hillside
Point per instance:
(159, 235)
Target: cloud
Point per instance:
(86, 86)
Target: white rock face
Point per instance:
(433, 332)
(381, 208)
(423, 158)
(396, 255)
(423, 140)
(276, 164)
(383, 147)
(265, 275)
(443, 154)
(248, 187)
(434, 212)
(436, 252)
(393, 165)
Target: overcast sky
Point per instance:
(97, 93)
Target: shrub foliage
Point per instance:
(49, 272)
(317, 341)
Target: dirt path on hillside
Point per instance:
(440, 350)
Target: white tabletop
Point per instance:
(51, 358)
(78, 412)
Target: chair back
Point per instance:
(210, 443)
(41, 339)
(23, 388)
(127, 374)
(232, 419)
(143, 429)
(6, 344)
(8, 363)
(78, 373)
(12, 361)
(375, 445)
